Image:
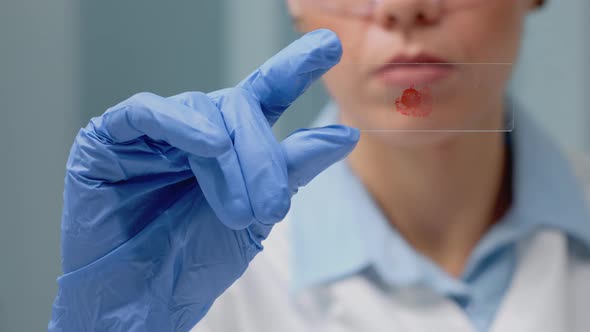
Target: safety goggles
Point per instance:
(366, 8)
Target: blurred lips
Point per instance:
(414, 70)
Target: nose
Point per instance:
(405, 14)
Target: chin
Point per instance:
(415, 127)
(414, 140)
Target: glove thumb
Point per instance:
(309, 152)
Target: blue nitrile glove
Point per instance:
(167, 200)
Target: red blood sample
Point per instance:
(411, 98)
(415, 103)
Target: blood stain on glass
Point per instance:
(414, 102)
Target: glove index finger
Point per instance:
(285, 76)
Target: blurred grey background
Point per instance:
(62, 62)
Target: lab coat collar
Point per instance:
(329, 240)
(324, 223)
(544, 179)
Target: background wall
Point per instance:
(63, 61)
(39, 115)
(148, 45)
(552, 77)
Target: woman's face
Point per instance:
(479, 40)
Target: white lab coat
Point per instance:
(550, 292)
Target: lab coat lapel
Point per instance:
(538, 298)
(357, 305)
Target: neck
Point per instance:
(443, 197)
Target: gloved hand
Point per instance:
(167, 200)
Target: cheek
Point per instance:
(345, 80)
(491, 33)
(342, 82)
